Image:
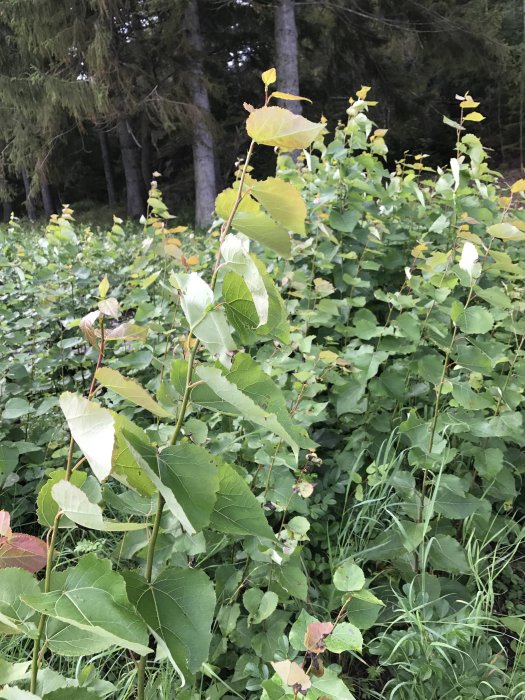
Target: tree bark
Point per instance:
(108, 166)
(47, 198)
(287, 63)
(135, 190)
(29, 201)
(145, 152)
(203, 142)
(7, 208)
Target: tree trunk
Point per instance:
(135, 190)
(145, 152)
(29, 201)
(108, 166)
(47, 198)
(7, 210)
(203, 142)
(286, 52)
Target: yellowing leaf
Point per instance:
(283, 202)
(286, 96)
(518, 186)
(469, 104)
(473, 117)
(192, 260)
(269, 76)
(131, 390)
(292, 674)
(275, 126)
(103, 287)
(363, 92)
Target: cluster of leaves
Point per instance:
(335, 443)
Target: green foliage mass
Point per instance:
(288, 466)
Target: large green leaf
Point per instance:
(228, 391)
(282, 201)
(251, 220)
(239, 306)
(78, 508)
(94, 599)
(131, 390)
(237, 511)
(187, 478)
(189, 483)
(235, 253)
(178, 607)
(275, 126)
(250, 378)
(126, 469)
(92, 428)
(15, 616)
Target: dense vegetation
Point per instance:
(294, 471)
(98, 94)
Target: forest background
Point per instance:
(99, 94)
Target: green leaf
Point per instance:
(298, 630)
(189, 481)
(47, 507)
(16, 408)
(126, 469)
(94, 599)
(13, 672)
(207, 324)
(238, 304)
(235, 254)
(178, 608)
(77, 507)
(506, 232)
(474, 320)
(275, 126)
(345, 637)
(92, 428)
(12, 693)
(251, 220)
(330, 686)
(15, 616)
(8, 462)
(282, 201)
(186, 476)
(349, 577)
(260, 605)
(446, 554)
(250, 378)
(228, 391)
(237, 511)
(131, 390)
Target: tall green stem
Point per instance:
(141, 669)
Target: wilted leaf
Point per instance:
(292, 675)
(315, 636)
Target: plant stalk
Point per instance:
(141, 668)
(54, 531)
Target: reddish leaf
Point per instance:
(22, 551)
(315, 634)
(5, 520)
